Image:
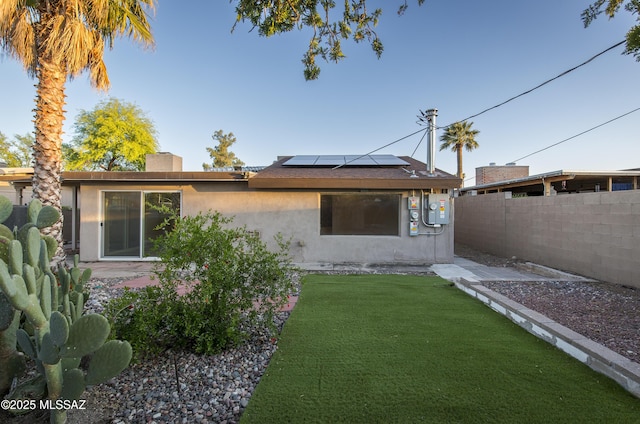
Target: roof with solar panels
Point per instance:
(382, 171)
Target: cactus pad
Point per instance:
(73, 384)
(49, 353)
(59, 328)
(32, 247)
(6, 208)
(47, 216)
(6, 312)
(33, 210)
(6, 232)
(86, 335)
(25, 343)
(108, 361)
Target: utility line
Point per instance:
(540, 85)
(494, 107)
(578, 135)
(419, 143)
(380, 148)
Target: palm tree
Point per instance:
(458, 136)
(57, 40)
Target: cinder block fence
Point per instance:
(592, 234)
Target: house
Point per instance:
(516, 179)
(373, 209)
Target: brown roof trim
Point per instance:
(158, 176)
(365, 183)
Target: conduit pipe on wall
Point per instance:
(425, 223)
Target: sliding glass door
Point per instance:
(131, 219)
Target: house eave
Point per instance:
(358, 184)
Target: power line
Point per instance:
(577, 135)
(496, 106)
(419, 143)
(540, 85)
(380, 148)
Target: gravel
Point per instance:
(185, 388)
(606, 313)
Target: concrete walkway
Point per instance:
(470, 271)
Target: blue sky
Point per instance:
(460, 57)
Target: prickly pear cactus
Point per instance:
(11, 361)
(55, 334)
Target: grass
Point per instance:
(409, 349)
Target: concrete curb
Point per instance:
(599, 358)
(546, 271)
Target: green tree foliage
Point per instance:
(611, 8)
(221, 155)
(17, 152)
(357, 23)
(457, 137)
(233, 282)
(114, 136)
(56, 40)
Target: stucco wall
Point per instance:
(591, 234)
(295, 214)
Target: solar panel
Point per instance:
(345, 160)
(302, 160)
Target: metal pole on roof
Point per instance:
(431, 151)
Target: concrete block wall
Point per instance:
(592, 234)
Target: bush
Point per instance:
(233, 282)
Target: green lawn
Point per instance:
(409, 349)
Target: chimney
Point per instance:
(163, 162)
(431, 141)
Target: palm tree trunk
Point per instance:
(49, 117)
(459, 156)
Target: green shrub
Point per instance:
(233, 282)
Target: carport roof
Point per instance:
(576, 179)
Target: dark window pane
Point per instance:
(360, 214)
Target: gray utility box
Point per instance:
(437, 208)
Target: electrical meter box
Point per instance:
(437, 209)
(414, 203)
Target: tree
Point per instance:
(459, 136)
(16, 153)
(56, 40)
(612, 7)
(220, 154)
(114, 136)
(281, 16)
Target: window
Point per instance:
(360, 214)
(130, 221)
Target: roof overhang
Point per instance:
(551, 177)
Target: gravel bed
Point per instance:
(178, 387)
(605, 313)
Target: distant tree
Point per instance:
(18, 152)
(221, 155)
(612, 7)
(114, 136)
(459, 136)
